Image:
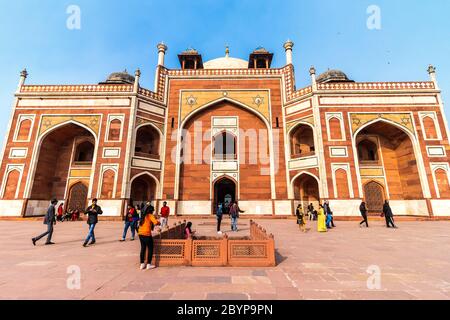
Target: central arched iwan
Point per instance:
(254, 183)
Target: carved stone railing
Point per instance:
(171, 249)
(150, 94)
(76, 88)
(376, 86)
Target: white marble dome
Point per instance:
(226, 63)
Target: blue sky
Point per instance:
(117, 35)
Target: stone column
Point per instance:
(162, 48)
(288, 45)
(432, 73)
(23, 77)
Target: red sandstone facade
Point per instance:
(228, 129)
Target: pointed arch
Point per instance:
(145, 173)
(429, 126)
(306, 189)
(225, 99)
(302, 140)
(148, 140)
(24, 129)
(374, 196)
(183, 122)
(305, 172)
(108, 184)
(417, 153)
(224, 145)
(335, 128)
(441, 177)
(11, 184)
(37, 152)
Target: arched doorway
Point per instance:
(387, 149)
(66, 147)
(224, 192)
(197, 156)
(306, 191)
(78, 194)
(374, 197)
(143, 189)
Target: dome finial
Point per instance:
(227, 51)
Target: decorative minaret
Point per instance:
(137, 74)
(432, 73)
(312, 73)
(288, 45)
(23, 77)
(162, 48)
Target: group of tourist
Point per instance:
(92, 212)
(138, 219)
(324, 216)
(141, 219)
(67, 215)
(229, 208)
(134, 215)
(387, 214)
(50, 218)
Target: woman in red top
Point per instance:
(60, 212)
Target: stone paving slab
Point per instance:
(413, 260)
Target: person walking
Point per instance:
(130, 222)
(321, 224)
(329, 215)
(92, 212)
(388, 215)
(363, 210)
(146, 225)
(219, 215)
(165, 212)
(49, 220)
(234, 214)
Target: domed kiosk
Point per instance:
(119, 78)
(333, 76)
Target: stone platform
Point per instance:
(413, 262)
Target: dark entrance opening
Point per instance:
(77, 197)
(374, 196)
(224, 192)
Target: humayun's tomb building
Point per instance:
(228, 129)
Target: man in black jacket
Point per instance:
(363, 210)
(49, 220)
(92, 211)
(388, 215)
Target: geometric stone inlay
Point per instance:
(140, 121)
(50, 121)
(256, 100)
(360, 119)
(292, 124)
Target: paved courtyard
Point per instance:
(414, 261)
